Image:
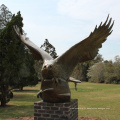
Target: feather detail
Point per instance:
(86, 49)
(38, 53)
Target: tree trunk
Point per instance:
(3, 96)
(3, 101)
(21, 88)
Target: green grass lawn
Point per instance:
(95, 100)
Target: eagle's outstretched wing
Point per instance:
(37, 52)
(86, 49)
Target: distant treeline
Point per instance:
(99, 71)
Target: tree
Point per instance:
(81, 70)
(10, 59)
(49, 48)
(112, 71)
(96, 73)
(117, 69)
(98, 58)
(5, 16)
(109, 72)
(27, 74)
(17, 64)
(38, 66)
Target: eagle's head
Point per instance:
(47, 70)
(50, 69)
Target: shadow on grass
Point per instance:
(25, 98)
(33, 91)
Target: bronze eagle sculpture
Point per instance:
(56, 72)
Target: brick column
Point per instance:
(56, 111)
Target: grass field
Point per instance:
(95, 100)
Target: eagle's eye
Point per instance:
(44, 66)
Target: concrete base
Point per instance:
(56, 111)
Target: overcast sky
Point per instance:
(66, 22)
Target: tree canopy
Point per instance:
(81, 70)
(5, 16)
(49, 48)
(16, 63)
(105, 72)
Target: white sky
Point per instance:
(66, 22)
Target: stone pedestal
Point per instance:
(56, 111)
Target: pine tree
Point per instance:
(5, 16)
(16, 62)
(27, 74)
(49, 48)
(10, 57)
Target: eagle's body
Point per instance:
(54, 88)
(56, 72)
